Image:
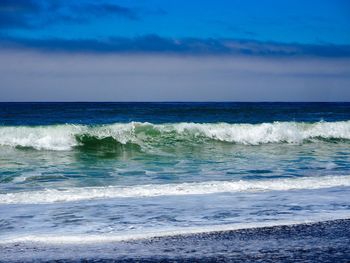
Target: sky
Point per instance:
(157, 50)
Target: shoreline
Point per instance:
(325, 241)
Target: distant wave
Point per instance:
(144, 135)
(90, 193)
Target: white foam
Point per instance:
(254, 134)
(118, 237)
(63, 137)
(91, 193)
(60, 137)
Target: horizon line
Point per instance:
(262, 101)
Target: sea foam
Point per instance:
(66, 137)
(151, 190)
(49, 239)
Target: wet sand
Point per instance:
(317, 242)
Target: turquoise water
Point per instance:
(88, 171)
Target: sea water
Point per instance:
(75, 172)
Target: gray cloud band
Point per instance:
(187, 46)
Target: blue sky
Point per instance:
(161, 25)
(49, 32)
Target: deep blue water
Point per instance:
(72, 172)
(22, 113)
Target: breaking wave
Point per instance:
(212, 187)
(144, 135)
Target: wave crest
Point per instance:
(145, 135)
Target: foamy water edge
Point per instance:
(152, 190)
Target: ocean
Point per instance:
(76, 173)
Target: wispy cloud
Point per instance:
(18, 6)
(14, 13)
(103, 9)
(34, 13)
(184, 46)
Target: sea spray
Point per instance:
(66, 137)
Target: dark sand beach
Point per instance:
(317, 242)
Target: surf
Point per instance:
(151, 190)
(147, 135)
